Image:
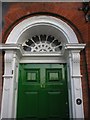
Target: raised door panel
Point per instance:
(57, 92)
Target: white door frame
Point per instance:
(14, 54)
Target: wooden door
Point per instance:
(42, 92)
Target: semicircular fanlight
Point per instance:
(42, 43)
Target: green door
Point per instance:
(42, 92)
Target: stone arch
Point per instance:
(29, 24)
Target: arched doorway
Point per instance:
(43, 41)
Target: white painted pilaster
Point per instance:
(8, 98)
(75, 82)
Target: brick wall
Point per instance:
(68, 11)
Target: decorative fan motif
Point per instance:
(42, 43)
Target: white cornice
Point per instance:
(12, 47)
(19, 50)
(74, 46)
(6, 47)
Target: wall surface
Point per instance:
(16, 12)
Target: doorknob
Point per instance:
(43, 85)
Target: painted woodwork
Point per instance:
(42, 92)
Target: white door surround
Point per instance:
(14, 54)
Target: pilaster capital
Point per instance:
(16, 49)
(8, 56)
(75, 57)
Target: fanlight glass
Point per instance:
(42, 43)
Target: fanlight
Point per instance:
(42, 43)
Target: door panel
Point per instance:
(42, 92)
